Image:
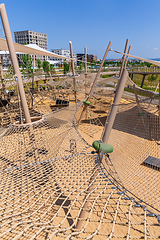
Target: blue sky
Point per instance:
(91, 23)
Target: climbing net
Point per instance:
(54, 187)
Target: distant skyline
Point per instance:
(91, 23)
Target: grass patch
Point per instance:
(137, 79)
(107, 75)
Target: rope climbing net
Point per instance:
(52, 182)
(54, 186)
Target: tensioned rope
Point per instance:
(140, 58)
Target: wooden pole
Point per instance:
(33, 72)
(2, 78)
(159, 100)
(99, 71)
(73, 71)
(85, 51)
(138, 105)
(123, 58)
(14, 61)
(95, 81)
(33, 78)
(129, 49)
(114, 108)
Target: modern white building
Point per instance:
(63, 52)
(60, 52)
(28, 37)
(5, 59)
(31, 37)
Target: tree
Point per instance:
(65, 67)
(152, 78)
(45, 66)
(80, 65)
(52, 69)
(39, 64)
(27, 62)
(147, 64)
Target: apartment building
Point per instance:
(60, 52)
(90, 57)
(31, 37)
(63, 52)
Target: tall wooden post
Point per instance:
(123, 58)
(2, 78)
(14, 61)
(138, 105)
(85, 52)
(33, 74)
(129, 49)
(114, 108)
(73, 71)
(99, 70)
(33, 78)
(159, 101)
(95, 81)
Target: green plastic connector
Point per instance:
(99, 146)
(87, 102)
(141, 114)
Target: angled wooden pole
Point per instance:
(95, 81)
(73, 71)
(114, 108)
(2, 78)
(123, 58)
(14, 61)
(129, 49)
(99, 71)
(33, 74)
(138, 105)
(159, 98)
(85, 52)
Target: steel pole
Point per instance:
(123, 58)
(14, 61)
(114, 108)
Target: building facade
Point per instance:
(90, 57)
(31, 37)
(63, 52)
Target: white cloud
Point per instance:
(155, 48)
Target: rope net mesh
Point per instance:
(50, 176)
(135, 136)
